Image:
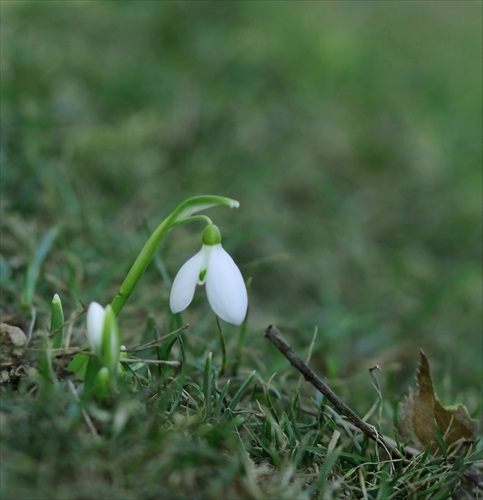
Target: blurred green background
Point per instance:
(350, 132)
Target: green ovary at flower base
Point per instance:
(213, 267)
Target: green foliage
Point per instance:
(350, 132)
(57, 322)
(34, 267)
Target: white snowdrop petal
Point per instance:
(225, 287)
(95, 322)
(184, 283)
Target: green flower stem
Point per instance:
(182, 213)
(239, 347)
(223, 348)
(194, 218)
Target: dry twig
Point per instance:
(273, 334)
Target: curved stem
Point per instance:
(140, 264)
(194, 218)
(182, 213)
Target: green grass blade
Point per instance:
(34, 267)
(207, 389)
(241, 391)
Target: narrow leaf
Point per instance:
(57, 322)
(34, 267)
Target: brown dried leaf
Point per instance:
(421, 410)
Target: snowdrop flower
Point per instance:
(213, 267)
(103, 334)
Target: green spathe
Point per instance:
(57, 322)
(111, 341)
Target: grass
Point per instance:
(351, 134)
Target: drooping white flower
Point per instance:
(103, 334)
(214, 267)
